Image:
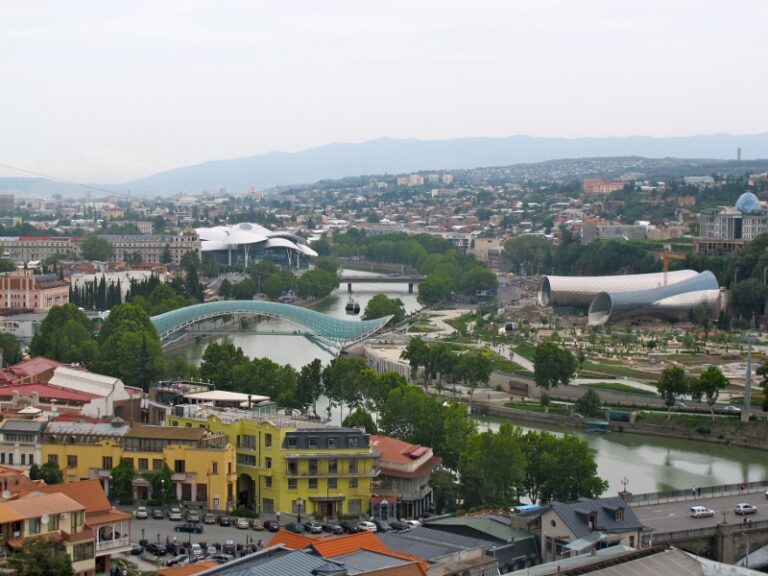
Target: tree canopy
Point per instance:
(41, 557)
(65, 335)
(381, 305)
(95, 247)
(672, 385)
(553, 365)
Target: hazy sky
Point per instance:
(109, 91)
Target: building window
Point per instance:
(34, 525)
(215, 468)
(268, 462)
(333, 442)
(313, 483)
(106, 463)
(249, 442)
(268, 482)
(143, 463)
(292, 468)
(313, 442)
(31, 459)
(157, 464)
(332, 483)
(353, 442)
(179, 466)
(82, 552)
(71, 461)
(23, 459)
(353, 466)
(355, 507)
(268, 505)
(268, 440)
(10, 458)
(353, 482)
(333, 466)
(293, 443)
(292, 483)
(53, 459)
(313, 466)
(619, 515)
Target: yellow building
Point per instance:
(201, 463)
(291, 464)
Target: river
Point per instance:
(648, 463)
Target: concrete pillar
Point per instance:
(178, 491)
(194, 491)
(725, 549)
(349, 287)
(410, 287)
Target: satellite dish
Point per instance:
(45, 519)
(6, 494)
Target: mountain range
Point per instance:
(398, 156)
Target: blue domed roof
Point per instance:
(748, 203)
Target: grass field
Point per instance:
(617, 387)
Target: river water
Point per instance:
(647, 463)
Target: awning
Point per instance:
(329, 498)
(385, 500)
(587, 542)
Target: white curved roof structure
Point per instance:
(248, 234)
(579, 291)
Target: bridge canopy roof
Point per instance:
(334, 331)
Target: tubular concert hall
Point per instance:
(612, 298)
(246, 243)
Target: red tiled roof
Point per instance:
(396, 451)
(33, 366)
(89, 493)
(187, 570)
(422, 470)
(292, 540)
(46, 391)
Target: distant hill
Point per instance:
(394, 156)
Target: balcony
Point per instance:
(325, 474)
(113, 544)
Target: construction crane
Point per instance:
(666, 256)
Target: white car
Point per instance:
(743, 509)
(366, 526)
(732, 409)
(141, 513)
(701, 512)
(413, 523)
(174, 513)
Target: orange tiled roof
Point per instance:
(36, 505)
(292, 540)
(108, 517)
(89, 493)
(394, 450)
(187, 570)
(361, 541)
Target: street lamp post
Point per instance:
(299, 504)
(162, 493)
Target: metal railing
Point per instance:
(696, 493)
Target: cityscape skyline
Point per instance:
(104, 95)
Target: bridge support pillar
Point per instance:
(349, 287)
(410, 287)
(725, 547)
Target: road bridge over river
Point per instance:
(725, 537)
(394, 279)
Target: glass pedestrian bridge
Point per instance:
(333, 332)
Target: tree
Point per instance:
(434, 290)
(218, 364)
(708, 384)
(96, 248)
(65, 335)
(748, 297)
(381, 305)
(446, 490)
(9, 349)
(362, 418)
(225, 289)
(50, 473)
(342, 381)
(473, 368)
(417, 354)
(672, 385)
(410, 414)
(458, 429)
(129, 347)
(243, 290)
(553, 366)
(589, 404)
(309, 386)
(41, 557)
(121, 487)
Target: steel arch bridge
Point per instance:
(333, 332)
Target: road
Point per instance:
(674, 516)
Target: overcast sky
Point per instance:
(108, 91)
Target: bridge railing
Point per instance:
(652, 538)
(696, 493)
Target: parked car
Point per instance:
(743, 509)
(209, 518)
(701, 512)
(156, 549)
(680, 405)
(242, 523)
(141, 513)
(224, 520)
(413, 523)
(197, 552)
(381, 525)
(158, 514)
(180, 560)
(294, 527)
(136, 548)
(271, 525)
(313, 527)
(211, 550)
(349, 526)
(366, 526)
(222, 558)
(174, 513)
(191, 527)
(731, 408)
(257, 524)
(400, 526)
(333, 528)
(193, 515)
(229, 547)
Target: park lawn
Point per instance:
(524, 348)
(618, 370)
(618, 387)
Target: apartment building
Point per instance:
(23, 290)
